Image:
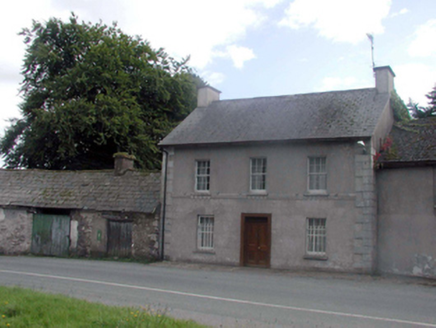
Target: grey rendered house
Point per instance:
(80, 213)
(282, 182)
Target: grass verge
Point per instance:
(26, 308)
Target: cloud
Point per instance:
(415, 80)
(338, 20)
(9, 105)
(240, 55)
(401, 12)
(424, 45)
(213, 78)
(190, 27)
(198, 28)
(337, 83)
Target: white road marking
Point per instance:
(232, 300)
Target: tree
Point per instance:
(431, 96)
(420, 111)
(90, 91)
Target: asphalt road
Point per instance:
(233, 297)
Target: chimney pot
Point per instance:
(206, 95)
(123, 163)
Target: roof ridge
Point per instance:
(296, 94)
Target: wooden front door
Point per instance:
(256, 240)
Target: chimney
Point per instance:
(123, 163)
(206, 95)
(384, 79)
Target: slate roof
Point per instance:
(414, 141)
(336, 114)
(135, 191)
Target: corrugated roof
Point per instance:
(135, 191)
(336, 114)
(414, 141)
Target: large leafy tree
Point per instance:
(89, 91)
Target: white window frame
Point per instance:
(255, 175)
(316, 174)
(316, 236)
(200, 176)
(205, 232)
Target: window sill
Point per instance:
(201, 194)
(200, 251)
(313, 257)
(316, 193)
(258, 192)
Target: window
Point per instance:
(317, 174)
(205, 232)
(258, 174)
(202, 175)
(316, 236)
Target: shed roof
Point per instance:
(135, 191)
(325, 115)
(413, 141)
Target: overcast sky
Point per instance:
(251, 48)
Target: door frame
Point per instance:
(243, 222)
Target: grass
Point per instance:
(26, 308)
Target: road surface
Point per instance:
(233, 297)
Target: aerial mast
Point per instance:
(371, 39)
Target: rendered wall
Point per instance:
(407, 221)
(88, 235)
(15, 231)
(349, 211)
(92, 233)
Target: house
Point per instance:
(406, 184)
(84, 213)
(283, 182)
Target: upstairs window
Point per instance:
(258, 174)
(316, 237)
(205, 232)
(317, 175)
(202, 175)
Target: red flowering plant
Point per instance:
(384, 148)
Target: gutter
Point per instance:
(405, 164)
(164, 203)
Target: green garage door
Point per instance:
(51, 234)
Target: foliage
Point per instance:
(420, 111)
(431, 96)
(400, 110)
(25, 308)
(90, 91)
